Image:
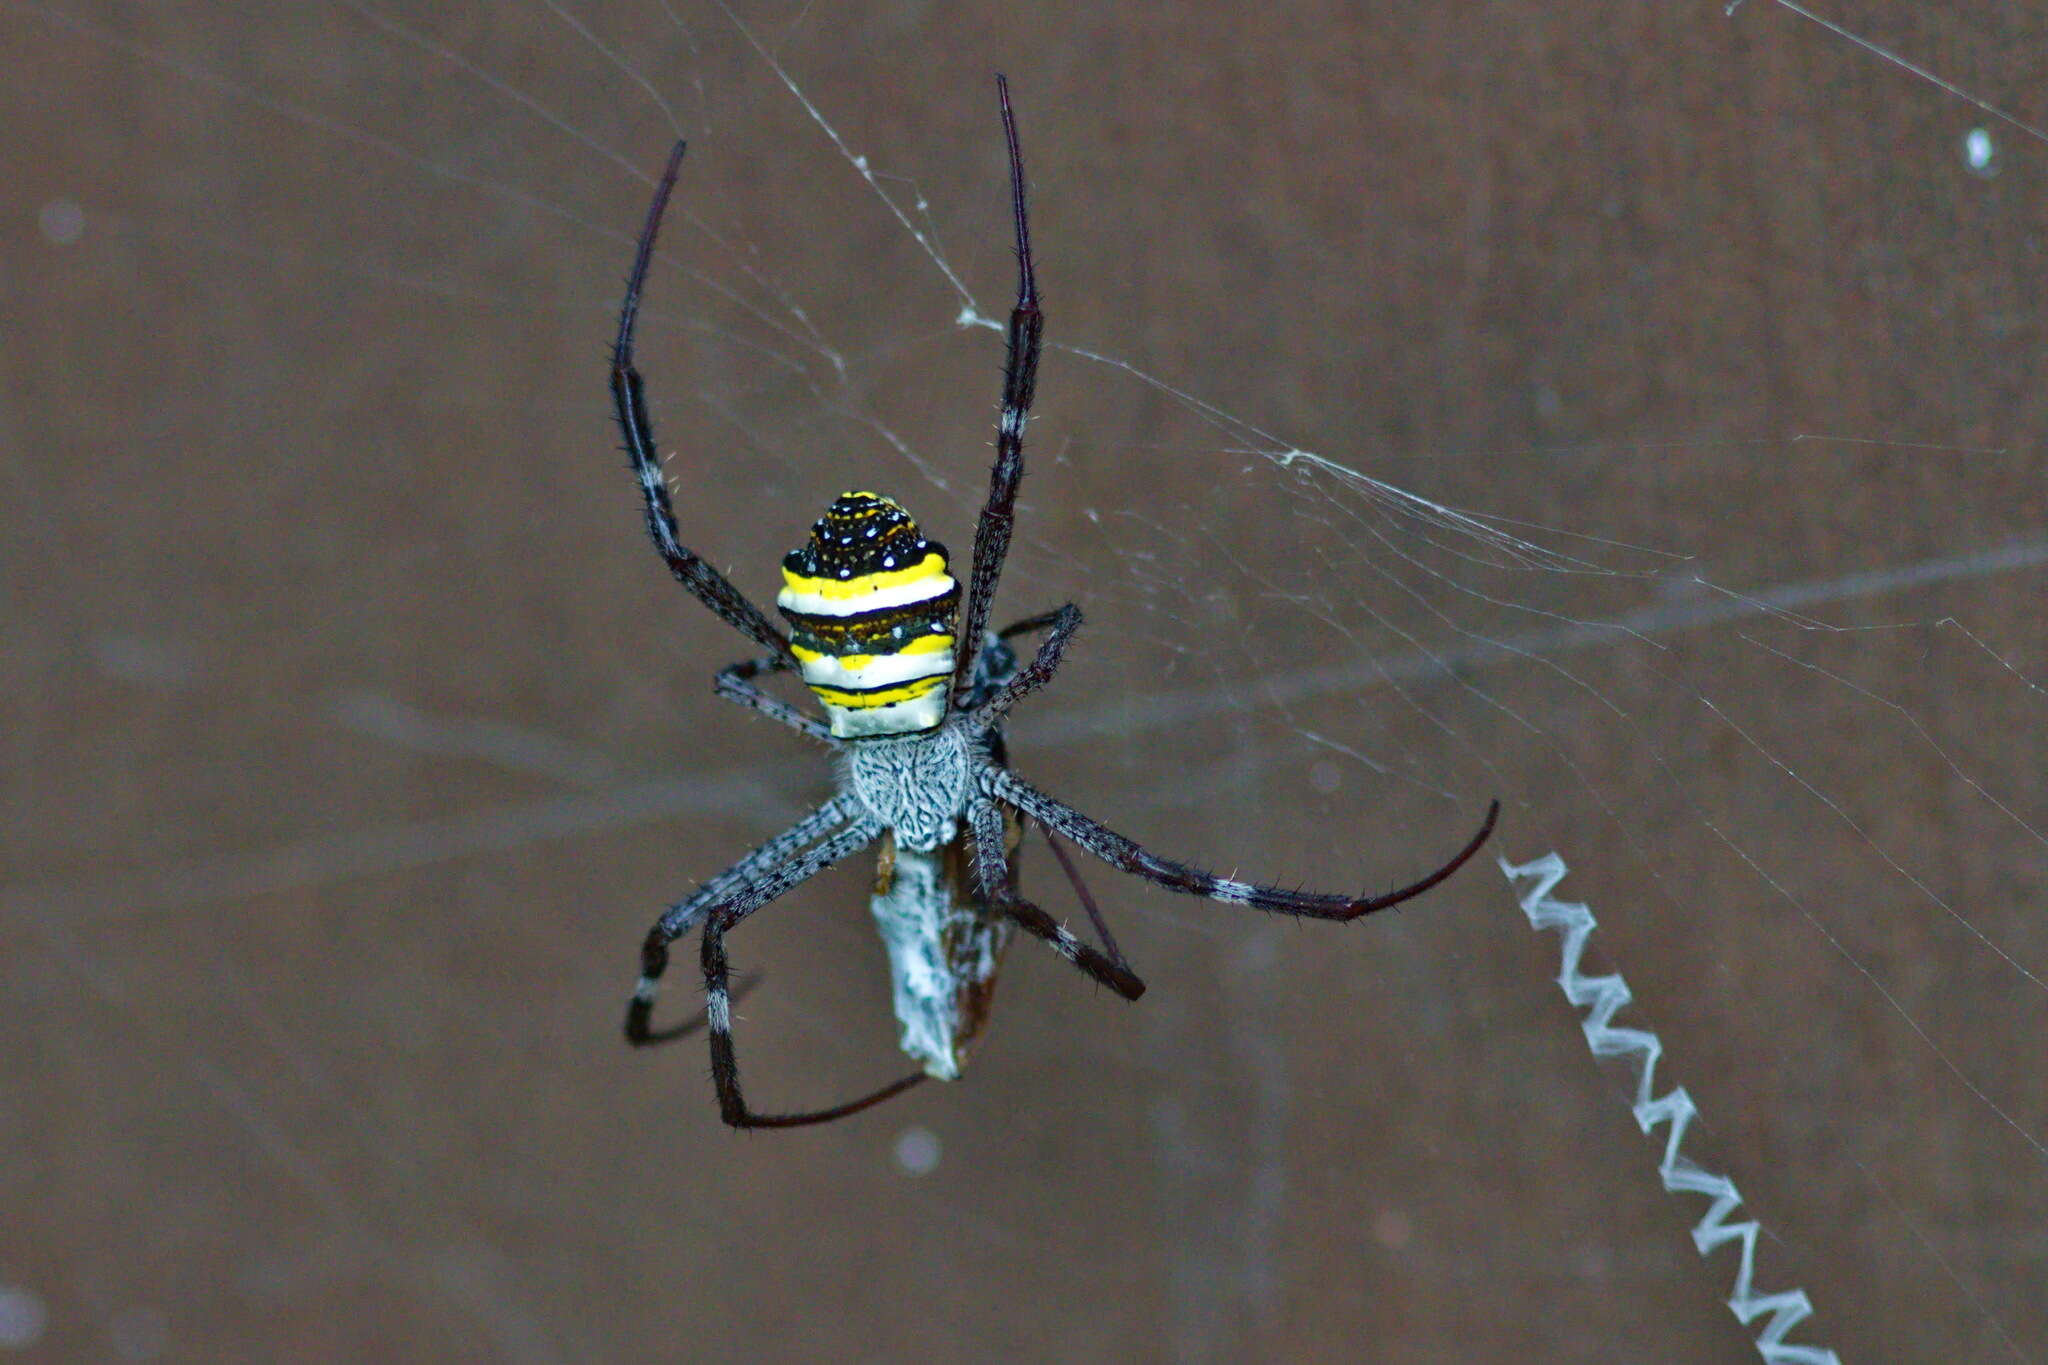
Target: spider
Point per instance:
(914, 717)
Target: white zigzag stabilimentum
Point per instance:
(1602, 997)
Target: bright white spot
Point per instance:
(1391, 1228)
(860, 163)
(22, 1317)
(1979, 152)
(138, 1333)
(62, 221)
(917, 1151)
(1324, 777)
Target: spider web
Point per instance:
(1627, 416)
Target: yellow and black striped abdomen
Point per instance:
(871, 609)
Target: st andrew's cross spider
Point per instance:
(914, 700)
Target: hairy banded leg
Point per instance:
(992, 871)
(1081, 890)
(725, 1069)
(1020, 380)
(630, 405)
(1033, 675)
(996, 663)
(735, 683)
(741, 989)
(678, 920)
(1027, 625)
(1127, 856)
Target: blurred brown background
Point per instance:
(353, 734)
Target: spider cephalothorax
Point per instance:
(916, 707)
(872, 613)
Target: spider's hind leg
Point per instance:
(757, 867)
(653, 1037)
(725, 1067)
(767, 874)
(1126, 855)
(992, 871)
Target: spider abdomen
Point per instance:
(872, 610)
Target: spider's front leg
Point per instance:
(1020, 384)
(629, 405)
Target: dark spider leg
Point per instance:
(1064, 621)
(996, 664)
(725, 1070)
(681, 917)
(1081, 890)
(1027, 625)
(1033, 675)
(741, 989)
(1126, 856)
(991, 869)
(734, 684)
(710, 586)
(1020, 379)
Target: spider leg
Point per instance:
(1033, 675)
(1020, 379)
(1127, 856)
(1027, 625)
(1081, 890)
(681, 917)
(630, 405)
(725, 1070)
(996, 663)
(992, 871)
(741, 989)
(735, 684)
